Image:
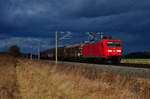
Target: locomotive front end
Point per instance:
(113, 50)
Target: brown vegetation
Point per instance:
(45, 80)
(7, 77)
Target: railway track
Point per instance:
(129, 69)
(135, 65)
(146, 66)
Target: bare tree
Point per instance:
(14, 50)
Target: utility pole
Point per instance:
(31, 53)
(101, 34)
(39, 51)
(56, 47)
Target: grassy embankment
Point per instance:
(44, 80)
(141, 61)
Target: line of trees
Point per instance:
(138, 55)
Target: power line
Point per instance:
(31, 53)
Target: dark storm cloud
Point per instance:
(125, 19)
(95, 8)
(50, 13)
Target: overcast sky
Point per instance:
(25, 21)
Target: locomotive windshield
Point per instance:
(113, 44)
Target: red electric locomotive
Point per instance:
(107, 49)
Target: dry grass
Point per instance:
(44, 80)
(7, 77)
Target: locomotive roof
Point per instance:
(111, 39)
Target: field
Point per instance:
(25, 79)
(142, 61)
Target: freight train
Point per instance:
(104, 50)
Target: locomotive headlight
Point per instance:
(118, 50)
(109, 50)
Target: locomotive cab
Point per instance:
(112, 50)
